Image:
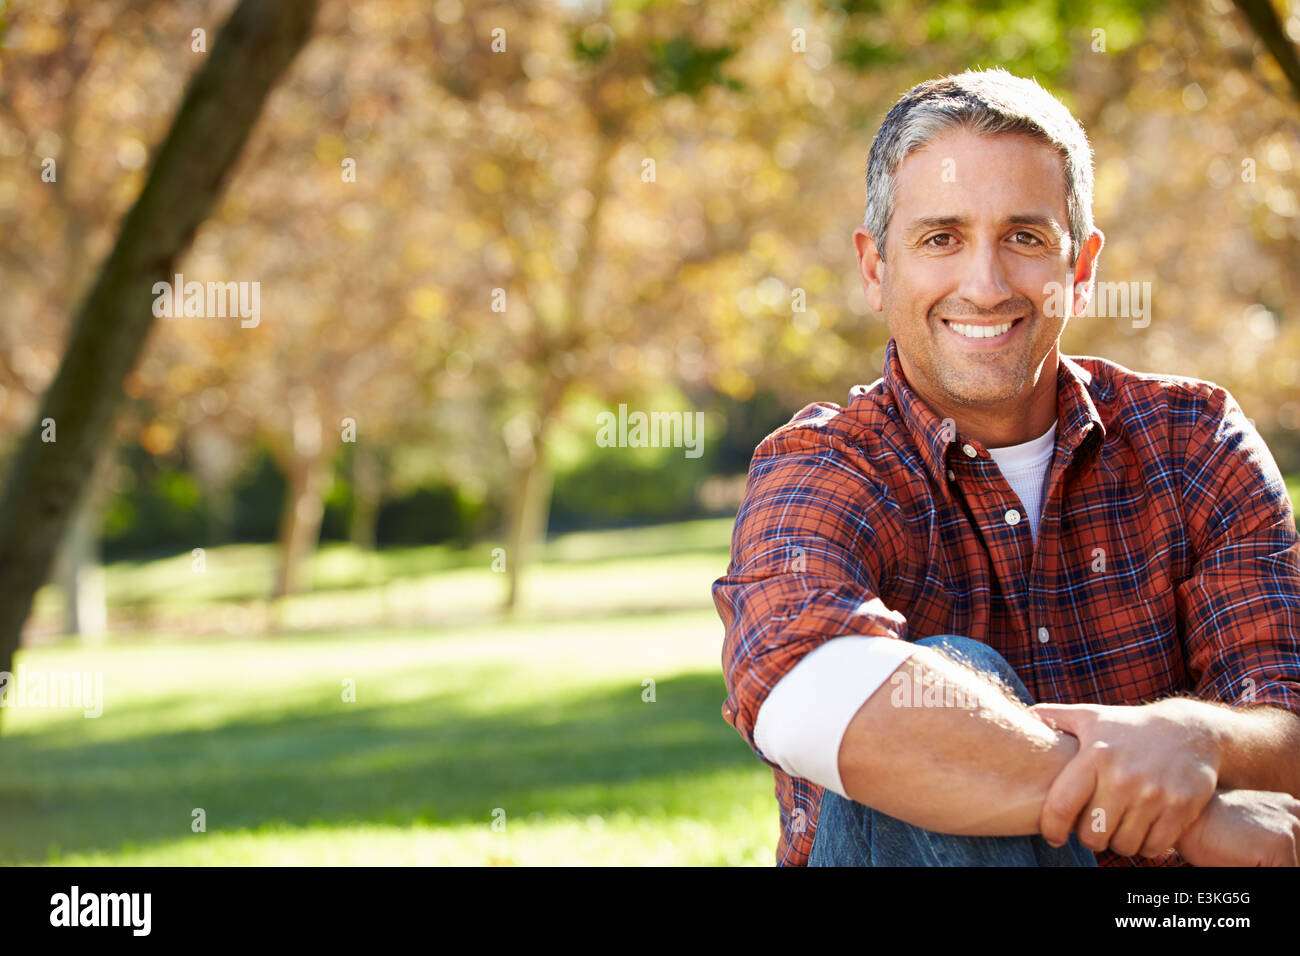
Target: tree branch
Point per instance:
(1264, 22)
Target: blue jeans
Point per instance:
(851, 834)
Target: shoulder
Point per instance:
(851, 428)
(1161, 400)
(831, 443)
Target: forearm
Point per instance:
(980, 765)
(1260, 747)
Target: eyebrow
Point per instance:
(1019, 219)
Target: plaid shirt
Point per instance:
(1167, 558)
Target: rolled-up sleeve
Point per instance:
(1240, 606)
(812, 540)
(802, 721)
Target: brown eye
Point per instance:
(941, 235)
(1032, 238)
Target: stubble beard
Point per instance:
(970, 385)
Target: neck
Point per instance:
(1023, 419)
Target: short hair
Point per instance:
(989, 102)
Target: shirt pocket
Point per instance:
(1132, 650)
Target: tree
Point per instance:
(59, 451)
(53, 252)
(1264, 21)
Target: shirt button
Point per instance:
(1042, 635)
(1013, 516)
(970, 452)
(951, 476)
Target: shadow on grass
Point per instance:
(433, 761)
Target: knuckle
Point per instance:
(1057, 807)
(1126, 785)
(1101, 753)
(1150, 796)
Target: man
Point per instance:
(991, 524)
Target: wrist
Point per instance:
(1210, 733)
(1063, 749)
(1194, 829)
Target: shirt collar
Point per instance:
(1076, 417)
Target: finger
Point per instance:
(1130, 832)
(1101, 818)
(1171, 823)
(1164, 833)
(1066, 798)
(1059, 716)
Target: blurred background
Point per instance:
(360, 580)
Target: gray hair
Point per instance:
(988, 102)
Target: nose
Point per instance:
(984, 284)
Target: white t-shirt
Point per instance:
(803, 718)
(1025, 469)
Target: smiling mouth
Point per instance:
(991, 333)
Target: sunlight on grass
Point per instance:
(549, 718)
(227, 591)
(202, 684)
(550, 721)
(743, 837)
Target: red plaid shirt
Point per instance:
(1167, 558)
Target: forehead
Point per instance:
(964, 173)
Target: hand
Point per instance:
(1244, 828)
(1141, 776)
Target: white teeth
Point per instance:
(979, 331)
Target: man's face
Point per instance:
(979, 233)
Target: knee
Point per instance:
(977, 656)
(841, 837)
(977, 653)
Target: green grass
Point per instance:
(541, 719)
(644, 569)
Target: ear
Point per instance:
(871, 265)
(1085, 269)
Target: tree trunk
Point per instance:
(305, 475)
(300, 523)
(214, 461)
(81, 579)
(55, 458)
(77, 567)
(1267, 25)
(367, 496)
(527, 512)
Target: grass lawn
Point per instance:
(539, 723)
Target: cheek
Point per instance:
(914, 291)
(1040, 281)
